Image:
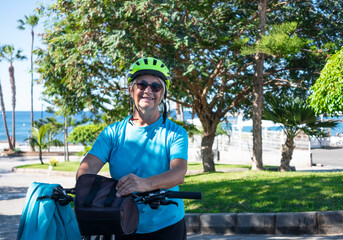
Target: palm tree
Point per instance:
(38, 139)
(32, 21)
(295, 116)
(41, 137)
(10, 146)
(55, 128)
(7, 52)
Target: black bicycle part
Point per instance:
(59, 195)
(158, 197)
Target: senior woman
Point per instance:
(145, 151)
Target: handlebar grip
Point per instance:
(184, 195)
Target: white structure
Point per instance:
(238, 148)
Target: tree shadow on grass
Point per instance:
(275, 192)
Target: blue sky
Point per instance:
(10, 12)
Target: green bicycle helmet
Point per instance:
(149, 66)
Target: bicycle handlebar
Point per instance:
(165, 193)
(184, 195)
(157, 197)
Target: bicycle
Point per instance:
(154, 199)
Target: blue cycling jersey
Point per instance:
(144, 151)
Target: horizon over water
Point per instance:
(23, 123)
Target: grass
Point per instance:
(198, 166)
(265, 192)
(71, 166)
(252, 191)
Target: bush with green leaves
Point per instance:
(327, 92)
(86, 134)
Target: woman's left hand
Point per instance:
(131, 183)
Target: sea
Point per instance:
(23, 123)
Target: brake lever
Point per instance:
(168, 202)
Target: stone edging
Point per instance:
(297, 223)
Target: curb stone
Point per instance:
(291, 223)
(218, 223)
(259, 223)
(299, 222)
(330, 222)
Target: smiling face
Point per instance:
(146, 100)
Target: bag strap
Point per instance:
(111, 195)
(92, 193)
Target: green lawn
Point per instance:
(251, 191)
(71, 166)
(265, 192)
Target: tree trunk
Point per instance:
(41, 155)
(287, 153)
(207, 152)
(209, 123)
(66, 151)
(32, 34)
(257, 162)
(10, 146)
(177, 112)
(182, 114)
(11, 72)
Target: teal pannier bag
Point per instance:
(45, 217)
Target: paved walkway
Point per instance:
(13, 187)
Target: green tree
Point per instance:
(257, 91)
(90, 45)
(54, 128)
(199, 62)
(40, 139)
(327, 93)
(32, 21)
(295, 116)
(292, 46)
(8, 53)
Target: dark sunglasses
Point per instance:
(155, 87)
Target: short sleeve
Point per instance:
(179, 145)
(104, 144)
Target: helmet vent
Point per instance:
(154, 62)
(162, 65)
(137, 63)
(146, 61)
